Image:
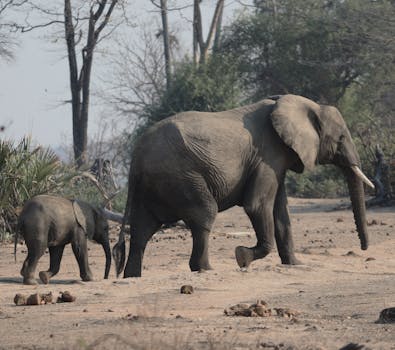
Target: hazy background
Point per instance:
(35, 85)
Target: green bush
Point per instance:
(25, 171)
(84, 189)
(324, 181)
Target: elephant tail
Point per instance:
(119, 249)
(16, 236)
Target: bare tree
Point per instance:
(7, 25)
(81, 21)
(139, 75)
(202, 47)
(99, 15)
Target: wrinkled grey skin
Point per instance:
(193, 165)
(53, 222)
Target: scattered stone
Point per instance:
(373, 222)
(259, 309)
(33, 299)
(370, 259)
(186, 289)
(340, 220)
(20, 299)
(387, 315)
(353, 346)
(46, 298)
(285, 312)
(66, 297)
(351, 253)
(239, 310)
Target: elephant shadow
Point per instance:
(19, 280)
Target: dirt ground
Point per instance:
(335, 296)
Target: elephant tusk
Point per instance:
(362, 176)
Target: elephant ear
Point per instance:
(295, 119)
(79, 216)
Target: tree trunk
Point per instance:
(382, 181)
(198, 42)
(80, 85)
(166, 44)
(75, 87)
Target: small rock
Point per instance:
(238, 310)
(387, 315)
(46, 298)
(340, 220)
(285, 312)
(370, 259)
(34, 299)
(373, 222)
(353, 346)
(66, 297)
(20, 299)
(259, 309)
(351, 253)
(186, 289)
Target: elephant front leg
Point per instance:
(80, 250)
(283, 232)
(258, 204)
(55, 256)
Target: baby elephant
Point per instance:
(53, 222)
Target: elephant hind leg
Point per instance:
(55, 256)
(199, 260)
(35, 250)
(144, 225)
(200, 218)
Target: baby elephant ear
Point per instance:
(295, 119)
(79, 215)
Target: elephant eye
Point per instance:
(340, 143)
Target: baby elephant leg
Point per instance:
(80, 250)
(35, 249)
(55, 256)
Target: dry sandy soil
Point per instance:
(337, 294)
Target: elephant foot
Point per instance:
(30, 281)
(244, 256)
(87, 278)
(44, 276)
(200, 267)
(291, 261)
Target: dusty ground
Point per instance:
(338, 292)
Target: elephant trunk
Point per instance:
(357, 196)
(107, 251)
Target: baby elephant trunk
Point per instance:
(107, 251)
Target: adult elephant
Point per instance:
(195, 164)
(50, 221)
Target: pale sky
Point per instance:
(35, 84)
